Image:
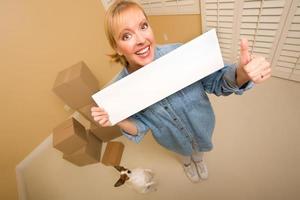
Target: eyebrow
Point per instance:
(121, 33)
(128, 29)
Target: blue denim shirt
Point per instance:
(184, 121)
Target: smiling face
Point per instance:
(134, 38)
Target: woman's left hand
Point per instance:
(256, 69)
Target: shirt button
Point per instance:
(175, 119)
(166, 107)
(181, 128)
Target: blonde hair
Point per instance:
(113, 12)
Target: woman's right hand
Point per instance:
(100, 116)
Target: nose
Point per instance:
(140, 39)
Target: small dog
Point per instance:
(141, 180)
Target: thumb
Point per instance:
(244, 52)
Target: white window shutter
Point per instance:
(165, 7)
(221, 15)
(260, 24)
(286, 59)
(106, 3)
(271, 26)
(170, 7)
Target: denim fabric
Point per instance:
(184, 121)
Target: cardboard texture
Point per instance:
(88, 154)
(69, 136)
(113, 154)
(106, 133)
(75, 85)
(86, 111)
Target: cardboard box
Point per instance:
(75, 85)
(86, 112)
(69, 136)
(88, 154)
(113, 154)
(106, 133)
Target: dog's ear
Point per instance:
(120, 168)
(121, 180)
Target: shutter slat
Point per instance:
(284, 69)
(293, 34)
(212, 18)
(266, 32)
(248, 25)
(227, 5)
(261, 50)
(270, 19)
(225, 41)
(273, 4)
(297, 11)
(225, 25)
(295, 48)
(226, 19)
(225, 45)
(251, 12)
(263, 44)
(168, 7)
(286, 64)
(296, 19)
(293, 41)
(271, 12)
(287, 59)
(249, 19)
(211, 6)
(290, 53)
(226, 12)
(225, 30)
(271, 26)
(295, 27)
(225, 35)
(252, 4)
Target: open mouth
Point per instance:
(143, 52)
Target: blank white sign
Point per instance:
(161, 78)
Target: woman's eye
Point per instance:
(144, 26)
(126, 36)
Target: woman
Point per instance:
(184, 121)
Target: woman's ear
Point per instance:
(118, 51)
(121, 181)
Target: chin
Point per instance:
(147, 61)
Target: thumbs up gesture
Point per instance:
(254, 68)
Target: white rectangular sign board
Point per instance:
(161, 78)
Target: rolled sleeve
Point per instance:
(230, 81)
(223, 82)
(142, 129)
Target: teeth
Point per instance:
(142, 51)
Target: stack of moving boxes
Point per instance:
(82, 145)
(78, 145)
